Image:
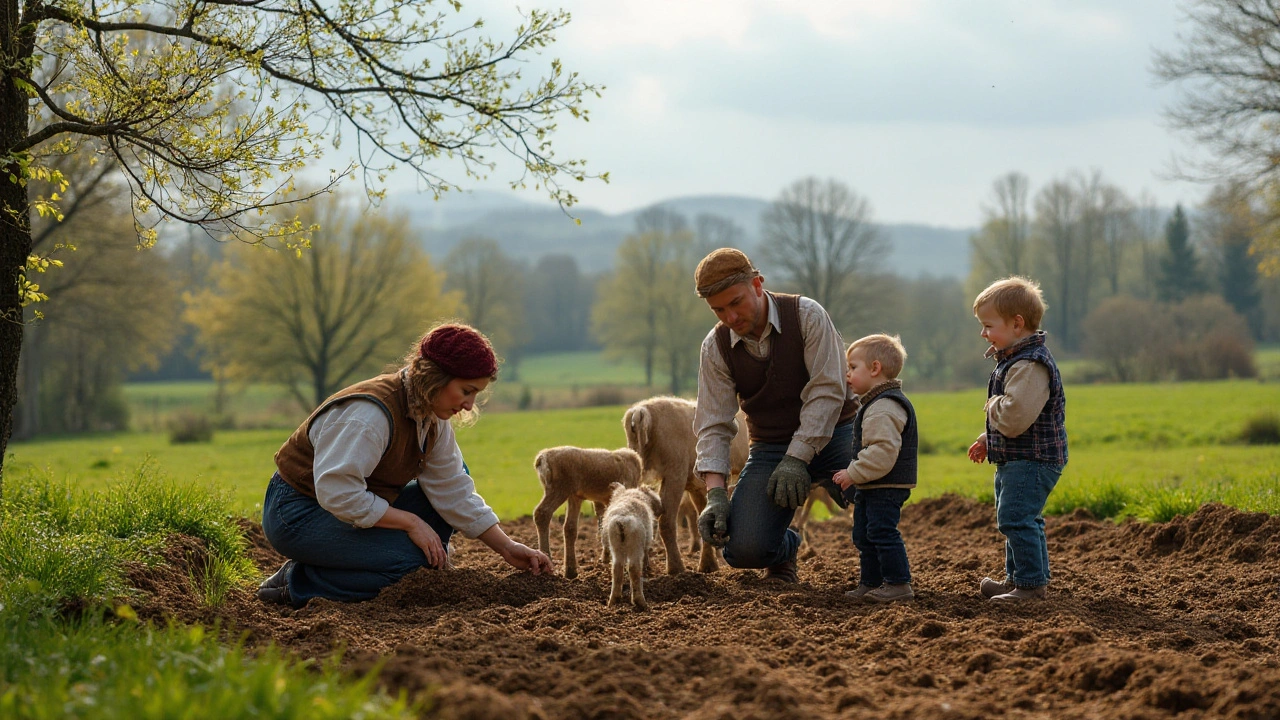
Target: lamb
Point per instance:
(738, 451)
(576, 474)
(800, 522)
(627, 530)
(660, 429)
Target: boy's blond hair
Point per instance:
(1013, 296)
(885, 349)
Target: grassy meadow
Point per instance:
(1132, 447)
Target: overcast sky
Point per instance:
(916, 104)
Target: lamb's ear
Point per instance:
(644, 424)
(615, 488)
(628, 427)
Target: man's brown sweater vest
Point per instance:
(769, 389)
(402, 461)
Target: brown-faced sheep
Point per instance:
(627, 530)
(660, 429)
(738, 451)
(575, 474)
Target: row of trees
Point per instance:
(317, 320)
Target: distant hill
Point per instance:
(528, 231)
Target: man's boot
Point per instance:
(783, 572)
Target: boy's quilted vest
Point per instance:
(904, 470)
(1046, 440)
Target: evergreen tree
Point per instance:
(1179, 268)
(1239, 276)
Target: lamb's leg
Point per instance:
(801, 520)
(832, 508)
(615, 590)
(637, 585)
(672, 494)
(707, 562)
(571, 537)
(600, 507)
(689, 519)
(542, 517)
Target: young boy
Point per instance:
(1026, 434)
(883, 471)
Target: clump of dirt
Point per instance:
(1143, 621)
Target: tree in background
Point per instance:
(714, 231)
(1119, 227)
(207, 109)
(937, 327)
(1002, 247)
(821, 236)
(110, 310)
(1228, 70)
(647, 307)
(558, 301)
(491, 285)
(1057, 230)
(1179, 269)
(318, 320)
(1230, 224)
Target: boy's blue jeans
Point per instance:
(334, 559)
(760, 533)
(883, 556)
(1022, 489)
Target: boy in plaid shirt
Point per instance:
(1026, 435)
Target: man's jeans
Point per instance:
(1022, 489)
(339, 561)
(883, 556)
(760, 533)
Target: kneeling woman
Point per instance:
(372, 485)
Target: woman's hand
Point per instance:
(523, 557)
(516, 554)
(419, 532)
(428, 541)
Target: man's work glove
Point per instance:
(713, 523)
(789, 483)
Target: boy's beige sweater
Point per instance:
(1026, 390)
(882, 425)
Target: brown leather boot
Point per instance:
(991, 588)
(1018, 594)
(783, 572)
(891, 593)
(859, 592)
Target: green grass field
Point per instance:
(1149, 440)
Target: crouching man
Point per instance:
(780, 359)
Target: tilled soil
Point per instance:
(1143, 621)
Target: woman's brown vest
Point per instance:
(402, 460)
(769, 389)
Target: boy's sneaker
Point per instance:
(991, 588)
(858, 592)
(891, 593)
(1019, 594)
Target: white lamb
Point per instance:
(576, 474)
(627, 530)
